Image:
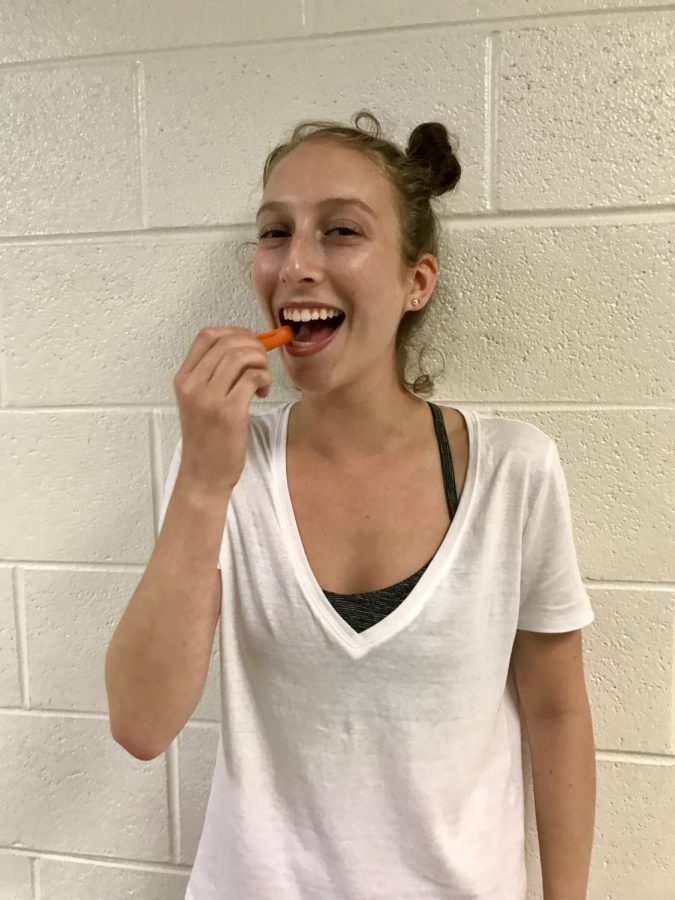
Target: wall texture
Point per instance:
(131, 147)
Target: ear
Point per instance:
(424, 280)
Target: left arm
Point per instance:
(549, 676)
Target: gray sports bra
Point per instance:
(361, 611)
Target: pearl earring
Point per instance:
(415, 301)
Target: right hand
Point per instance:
(214, 387)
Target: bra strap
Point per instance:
(446, 459)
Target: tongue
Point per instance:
(314, 331)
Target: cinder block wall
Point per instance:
(131, 148)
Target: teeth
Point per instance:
(306, 315)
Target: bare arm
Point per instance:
(159, 655)
(556, 713)
(158, 659)
(563, 770)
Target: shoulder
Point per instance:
(516, 456)
(506, 435)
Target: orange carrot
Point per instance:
(276, 338)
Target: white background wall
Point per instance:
(132, 140)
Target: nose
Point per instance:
(302, 261)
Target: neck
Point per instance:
(343, 427)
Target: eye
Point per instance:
(334, 228)
(344, 228)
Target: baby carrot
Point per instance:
(276, 338)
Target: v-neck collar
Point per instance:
(358, 644)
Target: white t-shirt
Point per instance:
(385, 764)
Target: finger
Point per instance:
(205, 340)
(229, 368)
(233, 352)
(250, 382)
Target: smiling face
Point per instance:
(312, 248)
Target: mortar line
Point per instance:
(142, 138)
(171, 753)
(603, 584)
(648, 214)
(636, 757)
(74, 566)
(35, 872)
(487, 405)
(21, 630)
(4, 381)
(106, 861)
(307, 16)
(37, 713)
(492, 66)
(476, 26)
(672, 693)
(156, 469)
(173, 796)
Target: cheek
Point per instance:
(263, 284)
(260, 277)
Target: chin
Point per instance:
(311, 384)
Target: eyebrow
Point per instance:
(277, 205)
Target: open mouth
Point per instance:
(314, 331)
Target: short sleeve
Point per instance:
(552, 595)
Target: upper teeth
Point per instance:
(304, 315)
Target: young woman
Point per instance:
(398, 580)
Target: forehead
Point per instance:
(318, 170)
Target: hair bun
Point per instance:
(429, 145)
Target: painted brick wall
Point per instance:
(131, 144)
